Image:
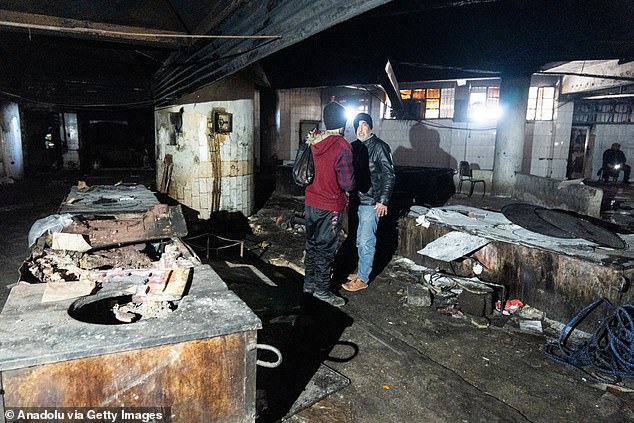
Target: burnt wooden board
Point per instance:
(209, 380)
(161, 221)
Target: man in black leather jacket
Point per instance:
(374, 174)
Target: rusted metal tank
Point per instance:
(193, 359)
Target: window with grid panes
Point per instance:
(354, 103)
(484, 102)
(428, 103)
(541, 103)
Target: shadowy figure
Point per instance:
(425, 151)
(613, 162)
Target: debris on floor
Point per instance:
(418, 295)
(134, 256)
(527, 251)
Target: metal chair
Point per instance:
(465, 174)
(606, 173)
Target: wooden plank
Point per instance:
(220, 10)
(59, 291)
(55, 25)
(70, 242)
(453, 246)
(202, 381)
(161, 221)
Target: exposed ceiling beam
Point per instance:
(293, 20)
(220, 10)
(53, 25)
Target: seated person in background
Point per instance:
(614, 161)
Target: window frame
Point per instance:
(428, 107)
(491, 101)
(535, 107)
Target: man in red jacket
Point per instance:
(324, 202)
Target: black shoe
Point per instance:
(330, 298)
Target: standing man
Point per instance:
(373, 200)
(613, 161)
(325, 200)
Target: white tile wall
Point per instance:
(189, 178)
(438, 143)
(296, 105)
(445, 143)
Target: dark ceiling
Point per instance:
(94, 52)
(474, 40)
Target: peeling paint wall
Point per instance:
(211, 171)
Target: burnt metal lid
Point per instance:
(576, 225)
(108, 199)
(524, 215)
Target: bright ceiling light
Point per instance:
(350, 113)
(485, 114)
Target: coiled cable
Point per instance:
(608, 355)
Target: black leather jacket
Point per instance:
(373, 171)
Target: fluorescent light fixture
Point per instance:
(607, 96)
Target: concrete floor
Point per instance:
(405, 363)
(411, 364)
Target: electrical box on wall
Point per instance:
(222, 122)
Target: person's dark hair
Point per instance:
(362, 116)
(334, 116)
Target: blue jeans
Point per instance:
(366, 241)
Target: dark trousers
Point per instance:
(322, 236)
(607, 172)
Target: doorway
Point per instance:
(579, 164)
(305, 126)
